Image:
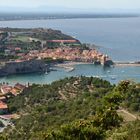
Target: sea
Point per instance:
(119, 38)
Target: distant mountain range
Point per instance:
(45, 12)
(38, 16)
(54, 9)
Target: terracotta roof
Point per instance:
(3, 105)
(5, 89)
(17, 49)
(19, 86)
(14, 91)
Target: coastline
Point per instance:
(126, 64)
(69, 66)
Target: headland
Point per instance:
(34, 50)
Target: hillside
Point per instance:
(30, 39)
(85, 108)
(40, 33)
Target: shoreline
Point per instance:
(69, 66)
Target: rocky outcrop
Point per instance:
(108, 63)
(21, 67)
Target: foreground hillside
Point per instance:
(78, 108)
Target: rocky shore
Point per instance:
(21, 67)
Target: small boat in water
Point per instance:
(96, 76)
(70, 69)
(108, 71)
(113, 78)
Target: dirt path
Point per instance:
(127, 115)
(62, 95)
(130, 114)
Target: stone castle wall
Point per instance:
(30, 66)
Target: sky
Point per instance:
(60, 5)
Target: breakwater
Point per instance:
(117, 63)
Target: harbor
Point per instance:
(90, 34)
(112, 74)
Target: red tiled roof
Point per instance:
(3, 105)
(17, 49)
(5, 89)
(14, 92)
(19, 86)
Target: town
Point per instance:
(71, 54)
(27, 107)
(24, 50)
(28, 51)
(8, 91)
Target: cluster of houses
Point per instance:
(63, 52)
(72, 54)
(7, 91)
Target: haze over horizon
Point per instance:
(70, 6)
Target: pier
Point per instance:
(131, 63)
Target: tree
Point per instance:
(95, 127)
(123, 86)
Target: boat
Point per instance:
(46, 73)
(108, 71)
(113, 78)
(70, 69)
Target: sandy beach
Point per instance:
(69, 66)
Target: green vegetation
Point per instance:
(131, 93)
(34, 39)
(3, 37)
(92, 128)
(24, 45)
(75, 108)
(129, 131)
(49, 34)
(29, 39)
(21, 38)
(7, 57)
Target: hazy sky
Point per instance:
(80, 4)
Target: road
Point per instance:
(6, 122)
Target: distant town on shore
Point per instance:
(33, 50)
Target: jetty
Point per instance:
(131, 63)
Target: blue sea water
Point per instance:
(114, 75)
(117, 37)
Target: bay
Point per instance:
(117, 37)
